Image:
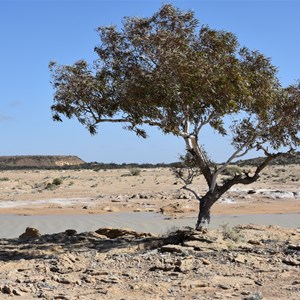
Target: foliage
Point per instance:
(169, 72)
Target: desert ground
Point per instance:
(243, 262)
(34, 192)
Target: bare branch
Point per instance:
(230, 159)
(200, 157)
(112, 120)
(205, 122)
(191, 191)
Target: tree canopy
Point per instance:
(170, 72)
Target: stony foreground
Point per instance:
(245, 262)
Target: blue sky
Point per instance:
(35, 32)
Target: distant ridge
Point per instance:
(281, 160)
(39, 161)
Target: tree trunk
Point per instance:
(204, 212)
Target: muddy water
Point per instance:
(12, 226)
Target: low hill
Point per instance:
(281, 160)
(39, 161)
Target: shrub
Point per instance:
(4, 179)
(232, 171)
(135, 172)
(230, 233)
(57, 181)
(55, 184)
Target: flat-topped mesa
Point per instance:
(39, 161)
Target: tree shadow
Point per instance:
(48, 246)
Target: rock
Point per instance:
(113, 233)
(185, 265)
(61, 297)
(203, 246)
(250, 192)
(112, 280)
(25, 289)
(294, 247)
(88, 279)
(175, 249)
(200, 238)
(163, 267)
(296, 195)
(258, 282)
(64, 280)
(30, 233)
(93, 272)
(254, 242)
(224, 286)
(108, 209)
(119, 198)
(195, 284)
(16, 292)
(240, 258)
(291, 262)
(70, 232)
(205, 262)
(255, 296)
(245, 293)
(6, 290)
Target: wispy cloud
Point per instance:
(4, 118)
(15, 103)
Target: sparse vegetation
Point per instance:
(57, 181)
(4, 179)
(230, 233)
(55, 184)
(232, 171)
(132, 172)
(135, 172)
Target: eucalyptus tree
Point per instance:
(170, 72)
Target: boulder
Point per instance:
(30, 233)
(70, 232)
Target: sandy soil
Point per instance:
(248, 262)
(154, 190)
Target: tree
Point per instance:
(169, 72)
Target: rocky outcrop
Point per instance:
(39, 161)
(246, 262)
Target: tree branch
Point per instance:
(112, 121)
(197, 130)
(197, 152)
(230, 159)
(238, 179)
(191, 191)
